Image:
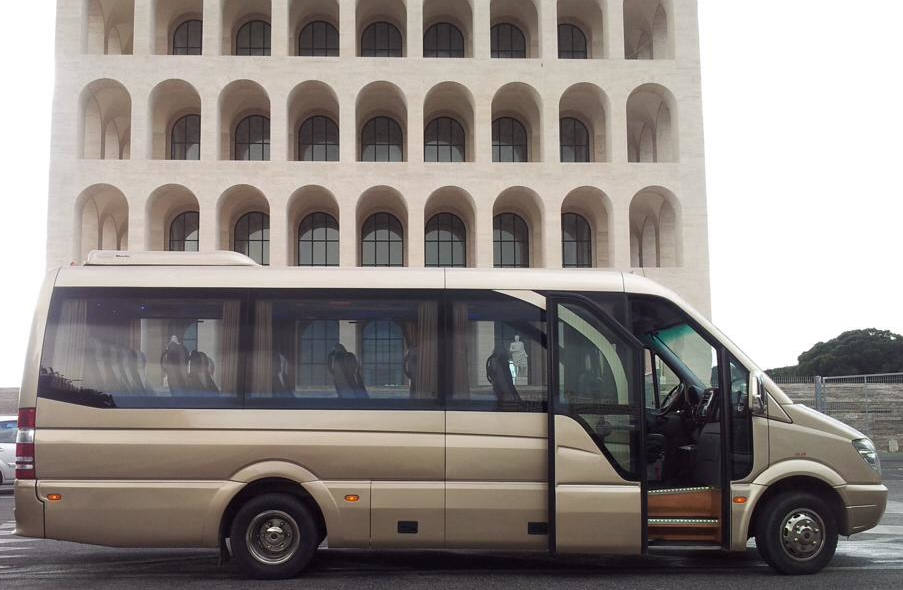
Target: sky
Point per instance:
(804, 141)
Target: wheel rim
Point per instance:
(273, 537)
(802, 534)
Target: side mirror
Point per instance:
(758, 401)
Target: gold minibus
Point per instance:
(199, 400)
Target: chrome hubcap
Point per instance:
(273, 537)
(803, 534)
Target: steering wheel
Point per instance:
(672, 399)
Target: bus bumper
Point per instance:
(864, 506)
(29, 509)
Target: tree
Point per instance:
(857, 352)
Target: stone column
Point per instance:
(414, 34)
(213, 27)
(279, 41)
(144, 36)
(614, 29)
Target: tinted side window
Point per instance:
(142, 349)
(741, 422)
(8, 431)
(597, 386)
(345, 350)
(498, 353)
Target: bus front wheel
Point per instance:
(273, 536)
(796, 533)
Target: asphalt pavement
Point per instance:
(869, 560)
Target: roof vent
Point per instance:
(121, 258)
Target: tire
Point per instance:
(288, 548)
(796, 533)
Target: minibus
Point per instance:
(199, 400)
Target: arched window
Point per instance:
(444, 141)
(576, 241)
(381, 39)
(509, 141)
(382, 354)
(318, 140)
(510, 237)
(571, 43)
(253, 38)
(183, 232)
(443, 40)
(188, 38)
(318, 240)
(317, 340)
(319, 39)
(252, 139)
(382, 241)
(508, 42)
(185, 141)
(252, 237)
(382, 141)
(446, 241)
(574, 141)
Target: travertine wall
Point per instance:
(110, 189)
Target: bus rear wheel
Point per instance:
(273, 537)
(797, 533)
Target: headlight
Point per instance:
(866, 450)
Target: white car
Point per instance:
(7, 450)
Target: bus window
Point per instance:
(499, 354)
(741, 422)
(147, 350)
(596, 385)
(335, 350)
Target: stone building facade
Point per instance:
(541, 133)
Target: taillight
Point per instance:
(25, 464)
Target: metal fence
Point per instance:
(872, 404)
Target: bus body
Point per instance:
(179, 401)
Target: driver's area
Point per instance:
(683, 425)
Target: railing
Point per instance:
(873, 404)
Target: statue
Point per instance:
(518, 353)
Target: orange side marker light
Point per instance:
(54, 497)
(740, 500)
(352, 498)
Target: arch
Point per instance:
(163, 206)
(444, 39)
(314, 28)
(652, 125)
(593, 205)
(589, 18)
(232, 205)
(655, 229)
(170, 101)
(588, 104)
(460, 203)
(304, 202)
(527, 204)
(451, 99)
(521, 102)
(312, 99)
(458, 13)
(106, 123)
(523, 14)
(381, 199)
(647, 29)
(393, 14)
(238, 100)
(381, 99)
(178, 27)
(101, 221)
(236, 14)
(108, 27)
